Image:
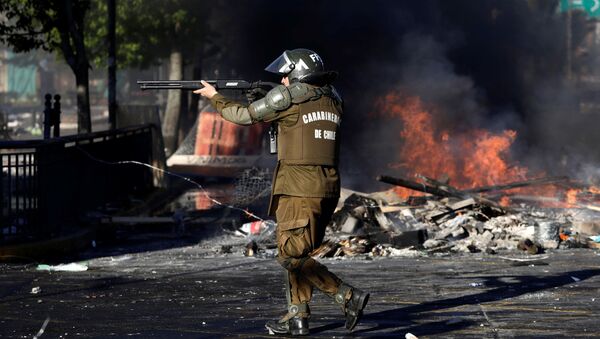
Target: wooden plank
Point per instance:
(452, 191)
(469, 202)
(391, 209)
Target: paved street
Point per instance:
(191, 291)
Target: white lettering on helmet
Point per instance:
(301, 65)
(315, 57)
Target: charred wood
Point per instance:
(539, 181)
(452, 208)
(402, 240)
(454, 192)
(413, 185)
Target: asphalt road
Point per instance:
(193, 292)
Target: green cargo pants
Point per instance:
(301, 226)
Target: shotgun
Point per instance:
(241, 85)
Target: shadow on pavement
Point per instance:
(403, 317)
(327, 327)
(136, 239)
(104, 283)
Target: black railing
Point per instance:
(49, 187)
(18, 187)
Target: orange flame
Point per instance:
(471, 159)
(505, 201)
(571, 196)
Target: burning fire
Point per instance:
(470, 159)
(571, 196)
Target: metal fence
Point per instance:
(18, 187)
(51, 187)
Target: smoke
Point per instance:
(494, 64)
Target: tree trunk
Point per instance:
(170, 125)
(84, 121)
(70, 27)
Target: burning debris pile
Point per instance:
(447, 220)
(474, 213)
(452, 220)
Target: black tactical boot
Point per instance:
(293, 326)
(295, 322)
(352, 305)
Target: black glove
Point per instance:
(256, 94)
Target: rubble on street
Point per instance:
(447, 220)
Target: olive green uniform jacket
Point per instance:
(313, 181)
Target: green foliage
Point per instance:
(52, 25)
(31, 24)
(146, 30)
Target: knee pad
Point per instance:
(292, 264)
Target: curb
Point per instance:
(41, 250)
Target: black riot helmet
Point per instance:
(302, 65)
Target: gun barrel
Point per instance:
(171, 84)
(196, 84)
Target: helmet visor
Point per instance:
(282, 65)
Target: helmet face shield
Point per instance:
(282, 65)
(297, 64)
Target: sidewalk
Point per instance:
(192, 292)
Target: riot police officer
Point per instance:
(306, 185)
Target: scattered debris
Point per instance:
(355, 245)
(251, 249)
(529, 246)
(42, 329)
(360, 226)
(386, 251)
(327, 249)
(258, 231)
(447, 219)
(525, 259)
(465, 221)
(72, 267)
(400, 240)
(36, 290)
(594, 241)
